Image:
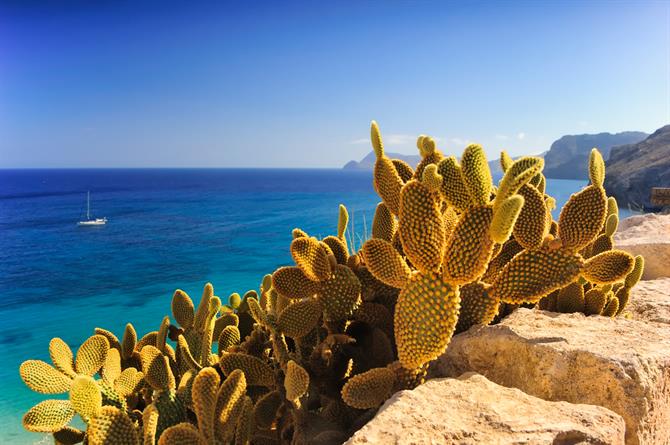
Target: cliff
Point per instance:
(633, 169)
(568, 155)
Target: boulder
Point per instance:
(474, 410)
(620, 364)
(650, 301)
(647, 235)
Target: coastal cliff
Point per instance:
(567, 155)
(633, 169)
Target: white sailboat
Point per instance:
(91, 221)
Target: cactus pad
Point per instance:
(425, 317)
(385, 263)
(608, 267)
(369, 389)
(311, 256)
(48, 416)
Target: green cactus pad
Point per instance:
(369, 389)
(421, 227)
(532, 274)
(425, 318)
(385, 263)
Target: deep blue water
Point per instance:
(167, 229)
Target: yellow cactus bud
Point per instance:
(384, 224)
(385, 263)
(342, 222)
(608, 267)
(425, 317)
(505, 217)
(48, 416)
(454, 190)
(596, 168)
(298, 319)
(470, 246)
(476, 174)
(369, 389)
(518, 174)
(532, 226)
(634, 276)
(311, 256)
(403, 169)
(387, 181)
(612, 206)
(582, 217)
(128, 342)
(611, 224)
(421, 227)
(505, 161)
(183, 309)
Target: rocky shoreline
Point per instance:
(540, 377)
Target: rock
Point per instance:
(620, 364)
(647, 235)
(474, 410)
(650, 301)
(568, 156)
(632, 170)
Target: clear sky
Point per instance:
(253, 84)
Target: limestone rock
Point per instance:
(474, 410)
(650, 301)
(647, 235)
(623, 365)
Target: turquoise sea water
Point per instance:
(167, 229)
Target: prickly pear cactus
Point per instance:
(322, 343)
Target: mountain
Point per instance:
(568, 156)
(633, 169)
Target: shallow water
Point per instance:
(167, 229)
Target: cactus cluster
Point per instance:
(324, 342)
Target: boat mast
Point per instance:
(88, 205)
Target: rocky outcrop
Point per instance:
(632, 170)
(568, 156)
(650, 301)
(620, 364)
(647, 235)
(474, 410)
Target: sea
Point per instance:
(167, 229)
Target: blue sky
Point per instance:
(253, 84)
